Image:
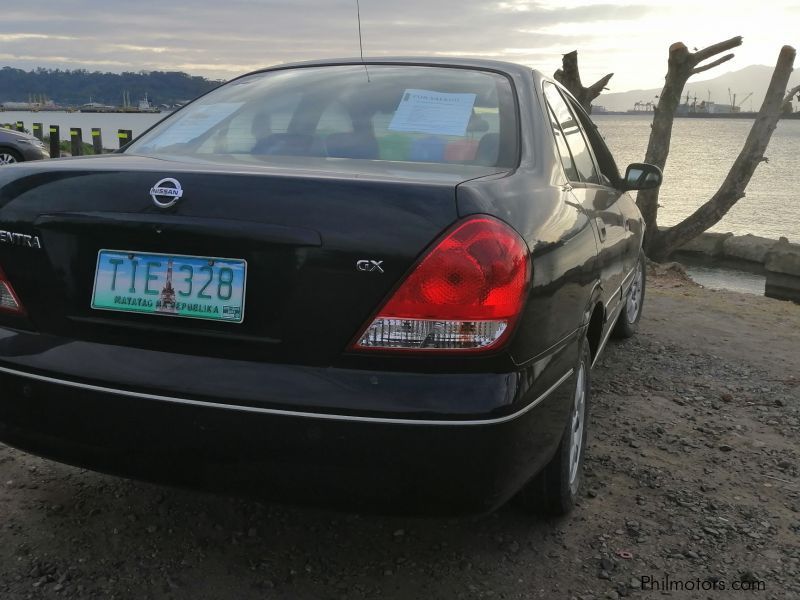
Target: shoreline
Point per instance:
(778, 260)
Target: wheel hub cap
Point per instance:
(634, 302)
(7, 159)
(576, 428)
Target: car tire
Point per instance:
(554, 491)
(631, 313)
(9, 156)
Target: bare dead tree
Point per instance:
(569, 76)
(682, 65)
(752, 154)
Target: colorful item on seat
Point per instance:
(461, 150)
(394, 146)
(427, 149)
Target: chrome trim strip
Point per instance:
(619, 309)
(625, 282)
(629, 275)
(291, 413)
(603, 344)
(613, 296)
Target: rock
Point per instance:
(606, 564)
(747, 247)
(710, 244)
(725, 447)
(784, 257)
(748, 576)
(783, 271)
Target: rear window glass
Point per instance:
(378, 112)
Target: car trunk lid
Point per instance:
(323, 244)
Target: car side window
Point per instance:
(605, 160)
(563, 149)
(573, 136)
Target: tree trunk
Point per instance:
(570, 78)
(752, 154)
(681, 65)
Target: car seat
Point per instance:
(351, 145)
(284, 144)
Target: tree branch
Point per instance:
(569, 76)
(596, 88)
(569, 70)
(711, 65)
(715, 49)
(795, 91)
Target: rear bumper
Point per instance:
(440, 461)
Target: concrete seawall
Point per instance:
(780, 258)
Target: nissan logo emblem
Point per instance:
(166, 192)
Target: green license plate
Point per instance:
(197, 287)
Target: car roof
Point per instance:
(509, 68)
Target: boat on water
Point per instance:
(35, 107)
(737, 114)
(96, 107)
(144, 106)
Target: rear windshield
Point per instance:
(377, 112)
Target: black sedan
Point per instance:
(373, 285)
(17, 146)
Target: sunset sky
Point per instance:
(220, 39)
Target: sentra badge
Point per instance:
(166, 192)
(20, 239)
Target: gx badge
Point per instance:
(370, 265)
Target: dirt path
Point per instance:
(692, 469)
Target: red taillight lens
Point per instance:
(9, 301)
(465, 294)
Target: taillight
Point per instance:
(465, 294)
(9, 301)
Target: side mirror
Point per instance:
(641, 176)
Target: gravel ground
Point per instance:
(692, 473)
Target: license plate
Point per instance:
(196, 287)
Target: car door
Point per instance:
(632, 224)
(589, 188)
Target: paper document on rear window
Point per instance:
(423, 111)
(195, 123)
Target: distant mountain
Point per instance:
(79, 86)
(754, 78)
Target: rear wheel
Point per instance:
(628, 319)
(555, 490)
(8, 157)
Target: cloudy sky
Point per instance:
(223, 38)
